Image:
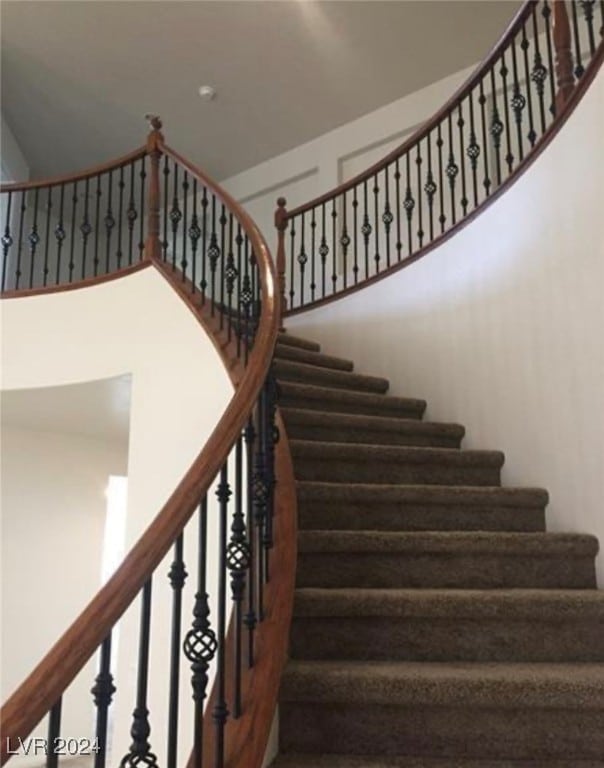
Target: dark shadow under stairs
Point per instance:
(436, 623)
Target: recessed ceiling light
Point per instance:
(207, 93)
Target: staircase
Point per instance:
(436, 623)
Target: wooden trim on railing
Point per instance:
(430, 124)
(87, 282)
(37, 694)
(562, 116)
(55, 181)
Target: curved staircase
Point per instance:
(436, 622)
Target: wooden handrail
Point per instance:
(97, 170)
(46, 683)
(514, 25)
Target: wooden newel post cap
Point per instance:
(281, 214)
(155, 134)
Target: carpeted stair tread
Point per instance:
(478, 496)
(361, 761)
(493, 685)
(301, 355)
(345, 427)
(313, 397)
(288, 370)
(347, 462)
(361, 506)
(537, 604)
(466, 542)
(298, 341)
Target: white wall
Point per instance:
(53, 517)
(501, 327)
(133, 325)
(13, 163)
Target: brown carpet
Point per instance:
(436, 623)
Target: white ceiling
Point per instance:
(98, 409)
(77, 77)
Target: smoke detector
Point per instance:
(207, 93)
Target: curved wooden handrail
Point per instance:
(46, 683)
(431, 123)
(564, 113)
(89, 173)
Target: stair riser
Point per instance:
(364, 470)
(290, 371)
(299, 355)
(463, 570)
(368, 437)
(341, 515)
(461, 732)
(439, 639)
(340, 406)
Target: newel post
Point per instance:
(154, 141)
(281, 226)
(564, 61)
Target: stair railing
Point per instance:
(154, 209)
(458, 162)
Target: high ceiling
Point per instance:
(77, 77)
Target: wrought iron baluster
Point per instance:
(518, 102)
(175, 215)
(247, 297)
(442, 218)
(60, 234)
(376, 222)
(120, 218)
(292, 257)
(355, 235)
(546, 12)
(74, 205)
(47, 237)
(430, 188)
(54, 732)
(462, 158)
(34, 239)
(313, 248)
(223, 221)
(588, 13)
(141, 218)
(452, 168)
(250, 618)
(109, 221)
(238, 560)
(260, 502)
(323, 252)
(185, 225)
(473, 149)
(213, 256)
(509, 157)
(408, 202)
(420, 208)
(271, 436)
(334, 250)
(194, 235)
(366, 228)
(102, 693)
(204, 244)
(486, 183)
(302, 257)
(140, 749)
(230, 275)
(177, 576)
(85, 229)
(220, 712)
(200, 642)
(7, 240)
(239, 244)
(387, 215)
(539, 73)
(22, 211)
(397, 182)
(166, 174)
(344, 241)
(532, 134)
(97, 222)
(497, 128)
(131, 216)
